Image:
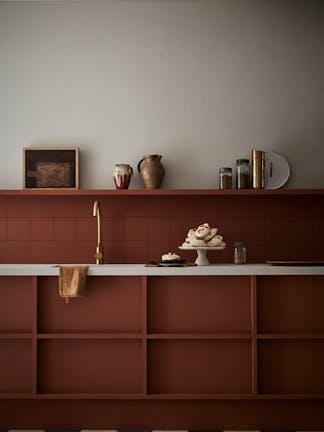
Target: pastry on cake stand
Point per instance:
(202, 239)
(202, 259)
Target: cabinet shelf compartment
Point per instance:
(215, 304)
(199, 367)
(15, 366)
(291, 366)
(16, 305)
(290, 304)
(111, 304)
(89, 366)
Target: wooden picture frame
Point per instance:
(51, 168)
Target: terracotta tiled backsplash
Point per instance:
(136, 229)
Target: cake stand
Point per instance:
(202, 253)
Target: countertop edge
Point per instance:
(141, 270)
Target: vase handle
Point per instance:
(139, 165)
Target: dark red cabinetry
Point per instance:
(187, 343)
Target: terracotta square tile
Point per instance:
(229, 207)
(86, 229)
(158, 206)
(253, 206)
(288, 228)
(41, 229)
(63, 252)
(272, 206)
(3, 207)
(318, 250)
(18, 229)
(3, 252)
(253, 228)
(18, 252)
(230, 229)
(255, 252)
(114, 252)
(114, 206)
(65, 207)
(182, 206)
(3, 229)
(318, 206)
(40, 252)
(224, 256)
(180, 228)
(318, 228)
(85, 251)
(158, 228)
(65, 229)
(206, 207)
(41, 207)
(135, 228)
(290, 206)
(293, 250)
(220, 256)
(113, 229)
(155, 250)
(135, 252)
(18, 207)
(135, 206)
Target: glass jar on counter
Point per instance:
(225, 178)
(243, 174)
(240, 253)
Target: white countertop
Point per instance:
(141, 270)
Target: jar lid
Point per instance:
(225, 170)
(242, 162)
(240, 244)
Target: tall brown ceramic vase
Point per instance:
(152, 171)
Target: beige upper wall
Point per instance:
(200, 82)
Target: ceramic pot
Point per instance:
(152, 171)
(122, 175)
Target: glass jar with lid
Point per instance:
(240, 252)
(243, 174)
(225, 178)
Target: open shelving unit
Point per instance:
(163, 337)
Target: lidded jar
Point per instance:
(240, 253)
(225, 178)
(242, 173)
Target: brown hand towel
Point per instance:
(72, 281)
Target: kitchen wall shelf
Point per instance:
(159, 192)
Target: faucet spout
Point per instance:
(99, 256)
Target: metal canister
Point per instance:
(258, 169)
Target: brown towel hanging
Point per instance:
(72, 281)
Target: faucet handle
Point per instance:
(99, 255)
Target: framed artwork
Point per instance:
(51, 168)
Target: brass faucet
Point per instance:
(99, 255)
